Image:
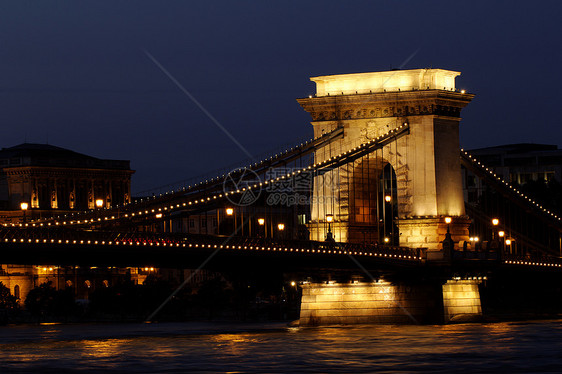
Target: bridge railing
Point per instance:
(69, 236)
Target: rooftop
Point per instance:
(32, 154)
(393, 80)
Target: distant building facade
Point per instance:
(50, 179)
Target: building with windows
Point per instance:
(49, 179)
(40, 180)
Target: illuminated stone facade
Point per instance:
(50, 178)
(461, 300)
(374, 302)
(385, 302)
(426, 162)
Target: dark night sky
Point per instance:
(74, 74)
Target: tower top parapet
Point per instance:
(394, 80)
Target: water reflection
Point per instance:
(182, 347)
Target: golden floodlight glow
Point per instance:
(229, 211)
(448, 220)
(24, 206)
(261, 221)
(388, 198)
(501, 234)
(293, 283)
(281, 226)
(329, 217)
(99, 203)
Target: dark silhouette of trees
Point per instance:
(7, 300)
(46, 303)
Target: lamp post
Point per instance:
(448, 243)
(448, 221)
(99, 203)
(329, 219)
(495, 223)
(496, 241)
(230, 213)
(24, 207)
(281, 228)
(261, 223)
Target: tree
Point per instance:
(7, 300)
(40, 301)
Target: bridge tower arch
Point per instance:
(426, 161)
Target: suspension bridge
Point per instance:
(376, 195)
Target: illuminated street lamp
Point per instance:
(448, 221)
(501, 234)
(99, 203)
(261, 223)
(229, 211)
(386, 240)
(329, 219)
(281, 228)
(495, 221)
(24, 207)
(388, 198)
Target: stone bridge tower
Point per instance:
(425, 181)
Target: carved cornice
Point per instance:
(387, 104)
(67, 173)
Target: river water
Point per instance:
(204, 347)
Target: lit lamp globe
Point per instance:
(495, 221)
(24, 207)
(388, 198)
(329, 219)
(229, 211)
(261, 221)
(99, 203)
(281, 226)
